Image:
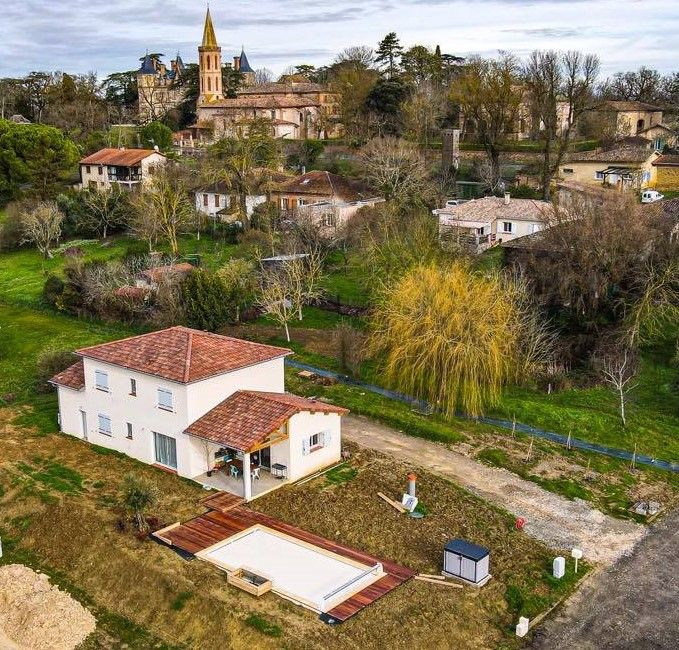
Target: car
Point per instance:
(651, 196)
(450, 203)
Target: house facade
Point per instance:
(481, 223)
(667, 172)
(625, 168)
(207, 407)
(127, 168)
(217, 201)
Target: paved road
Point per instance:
(632, 605)
(557, 521)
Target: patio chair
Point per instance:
(255, 473)
(234, 471)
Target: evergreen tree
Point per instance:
(208, 302)
(388, 52)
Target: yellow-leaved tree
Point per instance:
(455, 337)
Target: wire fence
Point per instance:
(421, 405)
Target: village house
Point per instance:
(481, 223)
(623, 167)
(207, 407)
(329, 199)
(127, 168)
(667, 172)
(297, 110)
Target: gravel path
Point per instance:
(631, 605)
(558, 522)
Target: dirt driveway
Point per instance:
(558, 522)
(631, 605)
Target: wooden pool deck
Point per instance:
(227, 518)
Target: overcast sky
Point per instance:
(109, 35)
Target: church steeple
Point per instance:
(209, 38)
(210, 64)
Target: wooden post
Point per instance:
(568, 442)
(530, 448)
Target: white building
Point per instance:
(208, 407)
(481, 223)
(127, 168)
(216, 200)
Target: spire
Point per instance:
(244, 63)
(147, 66)
(209, 38)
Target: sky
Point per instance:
(105, 36)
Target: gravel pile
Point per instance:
(35, 615)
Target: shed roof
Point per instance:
(668, 160)
(247, 418)
(467, 549)
(182, 354)
(118, 157)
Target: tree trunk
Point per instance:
(287, 332)
(622, 408)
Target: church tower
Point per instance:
(210, 64)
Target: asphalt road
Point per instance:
(633, 604)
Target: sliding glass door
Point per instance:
(166, 450)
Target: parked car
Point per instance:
(453, 202)
(651, 196)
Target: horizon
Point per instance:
(106, 37)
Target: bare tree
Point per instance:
(489, 94)
(304, 276)
(275, 299)
(618, 370)
(41, 226)
(396, 168)
(104, 208)
(560, 87)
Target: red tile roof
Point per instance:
(325, 184)
(72, 377)
(183, 355)
(247, 418)
(118, 157)
(668, 160)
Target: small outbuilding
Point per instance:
(467, 561)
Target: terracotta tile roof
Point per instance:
(668, 160)
(264, 101)
(118, 157)
(72, 377)
(325, 184)
(629, 106)
(490, 208)
(183, 355)
(282, 88)
(618, 154)
(157, 272)
(247, 418)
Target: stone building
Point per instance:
(158, 87)
(297, 110)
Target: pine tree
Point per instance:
(388, 51)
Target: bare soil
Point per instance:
(38, 616)
(558, 522)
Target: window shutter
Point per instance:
(305, 447)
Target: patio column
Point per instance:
(247, 479)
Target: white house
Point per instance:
(481, 223)
(217, 199)
(208, 407)
(127, 168)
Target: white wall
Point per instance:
(189, 401)
(519, 228)
(303, 425)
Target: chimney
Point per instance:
(508, 196)
(236, 63)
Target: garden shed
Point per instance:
(468, 561)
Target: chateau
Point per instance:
(298, 110)
(158, 88)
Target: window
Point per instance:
(165, 399)
(301, 201)
(567, 170)
(284, 204)
(599, 176)
(507, 226)
(129, 431)
(315, 442)
(101, 380)
(88, 169)
(216, 200)
(101, 170)
(329, 219)
(206, 198)
(166, 450)
(105, 425)
(133, 387)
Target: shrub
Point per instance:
(54, 287)
(349, 346)
(208, 303)
(50, 362)
(138, 495)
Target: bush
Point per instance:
(208, 303)
(11, 235)
(138, 495)
(54, 287)
(349, 348)
(51, 362)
